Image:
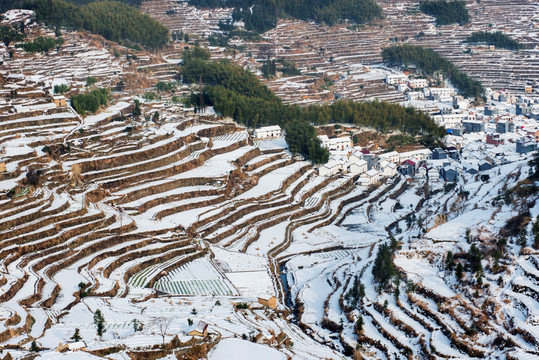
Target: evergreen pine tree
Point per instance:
(99, 322)
(449, 260)
(459, 271)
(76, 336)
(33, 346)
(359, 324)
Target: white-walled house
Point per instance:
(331, 168)
(355, 157)
(387, 168)
(416, 155)
(358, 167)
(441, 93)
(418, 83)
(402, 88)
(421, 173)
(415, 95)
(339, 143)
(395, 79)
(370, 177)
(268, 132)
(392, 156)
(434, 175)
(451, 120)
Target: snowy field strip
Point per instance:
(261, 169)
(217, 166)
(198, 277)
(272, 181)
(142, 278)
(175, 191)
(228, 139)
(139, 163)
(272, 144)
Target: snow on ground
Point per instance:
(231, 261)
(252, 283)
(92, 120)
(271, 144)
(78, 355)
(236, 349)
(272, 181)
(198, 277)
(420, 270)
(248, 273)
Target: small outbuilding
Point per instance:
(59, 100)
(200, 330)
(268, 300)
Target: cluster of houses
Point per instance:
(418, 88)
(482, 139)
(437, 165)
(372, 168)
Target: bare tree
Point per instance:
(266, 51)
(162, 323)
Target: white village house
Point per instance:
(441, 93)
(387, 168)
(418, 83)
(267, 132)
(370, 177)
(333, 167)
(416, 155)
(338, 143)
(395, 79)
(355, 157)
(391, 156)
(358, 167)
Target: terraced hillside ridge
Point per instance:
(167, 219)
(349, 58)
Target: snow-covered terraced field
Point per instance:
(198, 277)
(186, 218)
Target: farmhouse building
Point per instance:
(339, 143)
(388, 169)
(439, 154)
(534, 133)
(392, 156)
(441, 93)
(330, 168)
(472, 126)
(358, 167)
(407, 168)
(395, 79)
(416, 155)
(504, 126)
(268, 132)
(370, 177)
(418, 83)
(449, 174)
